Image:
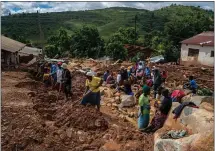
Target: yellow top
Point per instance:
(94, 83)
(45, 76)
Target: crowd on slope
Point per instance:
(59, 77)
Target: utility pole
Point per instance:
(135, 22)
(41, 35)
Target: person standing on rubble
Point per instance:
(66, 81)
(147, 72)
(58, 84)
(92, 92)
(157, 81)
(161, 113)
(46, 75)
(53, 74)
(144, 108)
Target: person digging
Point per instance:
(92, 92)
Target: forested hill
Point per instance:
(109, 20)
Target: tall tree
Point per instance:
(87, 42)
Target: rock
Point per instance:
(182, 144)
(69, 132)
(108, 93)
(127, 101)
(107, 137)
(112, 100)
(108, 104)
(205, 142)
(198, 99)
(131, 145)
(117, 99)
(115, 105)
(117, 94)
(207, 106)
(31, 94)
(110, 146)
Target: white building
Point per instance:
(198, 49)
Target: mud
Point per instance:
(46, 122)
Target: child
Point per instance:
(144, 108)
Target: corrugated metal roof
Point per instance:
(10, 44)
(205, 38)
(30, 50)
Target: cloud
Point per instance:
(43, 7)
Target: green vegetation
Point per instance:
(161, 29)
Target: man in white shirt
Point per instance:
(59, 76)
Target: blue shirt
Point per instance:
(193, 84)
(147, 71)
(53, 69)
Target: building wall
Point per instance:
(9, 57)
(203, 58)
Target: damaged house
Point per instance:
(14, 52)
(198, 49)
(10, 52)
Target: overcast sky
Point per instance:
(19, 7)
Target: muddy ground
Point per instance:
(37, 118)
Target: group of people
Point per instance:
(60, 77)
(149, 79)
(57, 76)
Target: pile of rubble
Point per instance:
(178, 75)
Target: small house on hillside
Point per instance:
(133, 50)
(9, 51)
(198, 49)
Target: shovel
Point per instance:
(89, 91)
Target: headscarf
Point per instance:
(90, 74)
(146, 89)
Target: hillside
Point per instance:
(106, 20)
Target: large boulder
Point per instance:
(127, 101)
(182, 144)
(198, 99)
(199, 123)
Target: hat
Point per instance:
(64, 65)
(89, 74)
(59, 63)
(122, 67)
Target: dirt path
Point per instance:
(34, 119)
